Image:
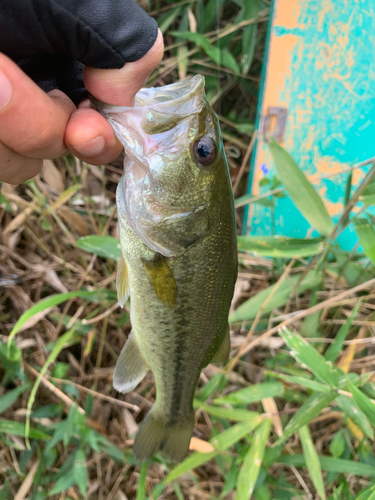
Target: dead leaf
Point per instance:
(197, 444)
(34, 319)
(130, 424)
(192, 21)
(74, 220)
(52, 176)
(354, 429)
(18, 221)
(26, 343)
(269, 406)
(349, 353)
(11, 240)
(116, 232)
(20, 299)
(27, 482)
(241, 286)
(55, 282)
(50, 275)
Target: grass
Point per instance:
(291, 416)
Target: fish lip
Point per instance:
(193, 86)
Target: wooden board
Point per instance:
(320, 68)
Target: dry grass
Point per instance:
(40, 223)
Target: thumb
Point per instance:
(119, 86)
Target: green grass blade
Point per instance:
(10, 397)
(280, 246)
(303, 381)
(311, 408)
(249, 471)
(210, 13)
(348, 188)
(367, 494)
(216, 383)
(312, 460)
(335, 348)
(64, 482)
(70, 427)
(221, 442)
(329, 464)
(230, 436)
(104, 246)
(368, 195)
(141, 489)
(226, 413)
(252, 394)
(44, 304)
(5, 488)
(19, 429)
(168, 18)
(305, 354)
(228, 61)
(251, 9)
(364, 403)
(350, 408)
(249, 309)
(65, 196)
(65, 339)
(337, 445)
(366, 236)
(110, 449)
(80, 471)
(300, 190)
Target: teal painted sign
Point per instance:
(318, 78)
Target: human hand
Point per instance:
(34, 124)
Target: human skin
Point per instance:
(35, 125)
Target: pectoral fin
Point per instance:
(130, 368)
(162, 279)
(222, 354)
(122, 282)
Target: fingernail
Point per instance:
(92, 147)
(5, 90)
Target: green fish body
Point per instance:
(179, 254)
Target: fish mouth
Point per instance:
(159, 98)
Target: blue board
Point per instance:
(319, 77)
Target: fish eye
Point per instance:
(204, 151)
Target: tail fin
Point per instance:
(157, 434)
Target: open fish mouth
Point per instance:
(155, 132)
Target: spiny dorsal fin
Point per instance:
(162, 279)
(130, 368)
(122, 282)
(222, 353)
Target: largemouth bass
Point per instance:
(179, 254)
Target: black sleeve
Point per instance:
(52, 39)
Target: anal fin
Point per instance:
(131, 368)
(222, 353)
(122, 282)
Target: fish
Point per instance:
(178, 259)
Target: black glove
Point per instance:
(51, 40)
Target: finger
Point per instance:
(89, 136)
(119, 86)
(32, 123)
(15, 168)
